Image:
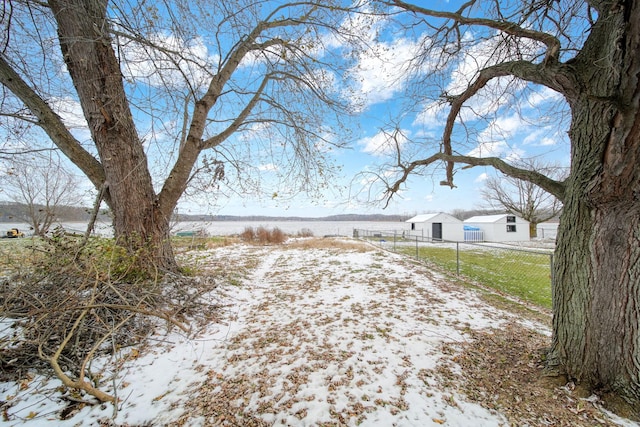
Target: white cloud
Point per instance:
(269, 167)
(494, 140)
(545, 142)
(533, 137)
(542, 96)
(70, 111)
(539, 138)
(363, 26)
(383, 143)
(432, 115)
(382, 71)
(492, 96)
(159, 68)
(507, 126)
(514, 155)
(256, 132)
(481, 178)
(489, 149)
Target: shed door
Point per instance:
(436, 231)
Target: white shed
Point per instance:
(437, 226)
(501, 228)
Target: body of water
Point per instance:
(318, 228)
(229, 228)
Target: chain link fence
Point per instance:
(520, 272)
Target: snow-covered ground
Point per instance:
(306, 337)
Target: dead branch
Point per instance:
(72, 301)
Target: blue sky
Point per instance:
(387, 95)
(527, 126)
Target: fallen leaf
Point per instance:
(155, 399)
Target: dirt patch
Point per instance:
(502, 370)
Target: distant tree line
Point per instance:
(19, 212)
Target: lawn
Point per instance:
(525, 275)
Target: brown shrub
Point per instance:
(248, 235)
(277, 236)
(263, 235)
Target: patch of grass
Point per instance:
(17, 253)
(190, 243)
(525, 275)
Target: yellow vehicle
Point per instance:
(14, 233)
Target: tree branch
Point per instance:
(551, 42)
(194, 144)
(551, 186)
(549, 73)
(52, 124)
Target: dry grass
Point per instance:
(263, 236)
(329, 243)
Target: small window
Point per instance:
(511, 218)
(511, 228)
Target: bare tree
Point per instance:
(164, 82)
(523, 198)
(43, 186)
(589, 52)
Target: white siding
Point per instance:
(497, 228)
(422, 225)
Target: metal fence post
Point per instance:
(458, 258)
(394, 240)
(417, 253)
(551, 275)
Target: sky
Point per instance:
(386, 94)
(520, 129)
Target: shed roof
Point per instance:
(489, 219)
(431, 216)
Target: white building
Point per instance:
(437, 226)
(500, 228)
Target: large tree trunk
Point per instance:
(596, 289)
(86, 45)
(596, 286)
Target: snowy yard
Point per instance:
(322, 336)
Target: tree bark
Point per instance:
(596, 288)
(95, 71)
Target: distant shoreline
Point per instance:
(344, 217)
